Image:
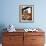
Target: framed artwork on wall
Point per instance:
(26, 13)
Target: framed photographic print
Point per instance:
(26, 13)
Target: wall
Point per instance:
(9, 13)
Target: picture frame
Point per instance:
(26, 13)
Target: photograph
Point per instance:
(26, 13)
